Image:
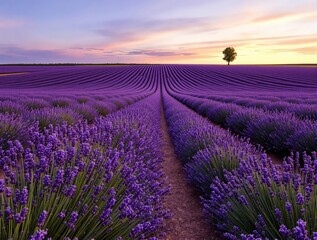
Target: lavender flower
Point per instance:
(39, 235)
(300, 232)
(61, 214)
(288, 207)
(243, 200)
(300, 199)
(278, 214)
(73, 219)
(47, 180)
(8, 191)
(41, 219)
(2, 185)
(24, 196)
(71, 191)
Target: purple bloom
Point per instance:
(308, 191)
(41, 219)
(24, 196)
(72, 220)
(8, 192)
(39, 235)
(243, 200)
(47, 180)
(60, 157)
(278, 214)
(18, 218)
(9, 213)
(288, 207)
(90, 167)
(71, 191)
(94, 210)
(135, 231)
(1, 185)
(24, 212)
(284, 231)
(61, 214)
(300, 199)
(59, 179)
(300, 232)
(105, 216)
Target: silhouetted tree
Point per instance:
(230, 54)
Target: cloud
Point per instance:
(270, 40)
(115, 28)
(156, 53)
(301, 50)
(284, 16)
(311, 39)
(16, 54)
(128, 32)
(11, 23)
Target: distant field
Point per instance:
(81, 149)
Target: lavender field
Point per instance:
(82, 151)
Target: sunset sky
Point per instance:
(164, 31)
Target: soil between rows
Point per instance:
(14, 73)
(187, 222)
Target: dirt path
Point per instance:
(15, 73)
(187, 221)
(275, 159)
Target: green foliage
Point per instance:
(229, 54)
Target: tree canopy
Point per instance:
(230, 54)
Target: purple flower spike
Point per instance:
(39, 235)
(24, 196)
(288, 207)
(61, 215)
(278, 214)
(41, 220)
(243, 200)
(300, 199)
(8, 192)
(284, 231)
(73, 219)
(300, 232)
(2, 185)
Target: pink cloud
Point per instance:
(10, 23)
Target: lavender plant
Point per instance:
(62, 102)
(11, 107)
(86, 111)
(35, 103)
(104, 108)
(210, 163)
(239, 120)
(81, 181)
(273, 131)
(260, 200)
(12, 127)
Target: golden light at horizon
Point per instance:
(262, 32)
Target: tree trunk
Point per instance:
(228, 63)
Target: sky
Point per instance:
(152, 31)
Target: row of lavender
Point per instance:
(110, 79)
(98, 181)
(267, 81)
(276, 132)
(244, 194)
(51, 95)
(18, 113)
(261, 99)
(303, 111)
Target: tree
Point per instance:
(230, 54)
